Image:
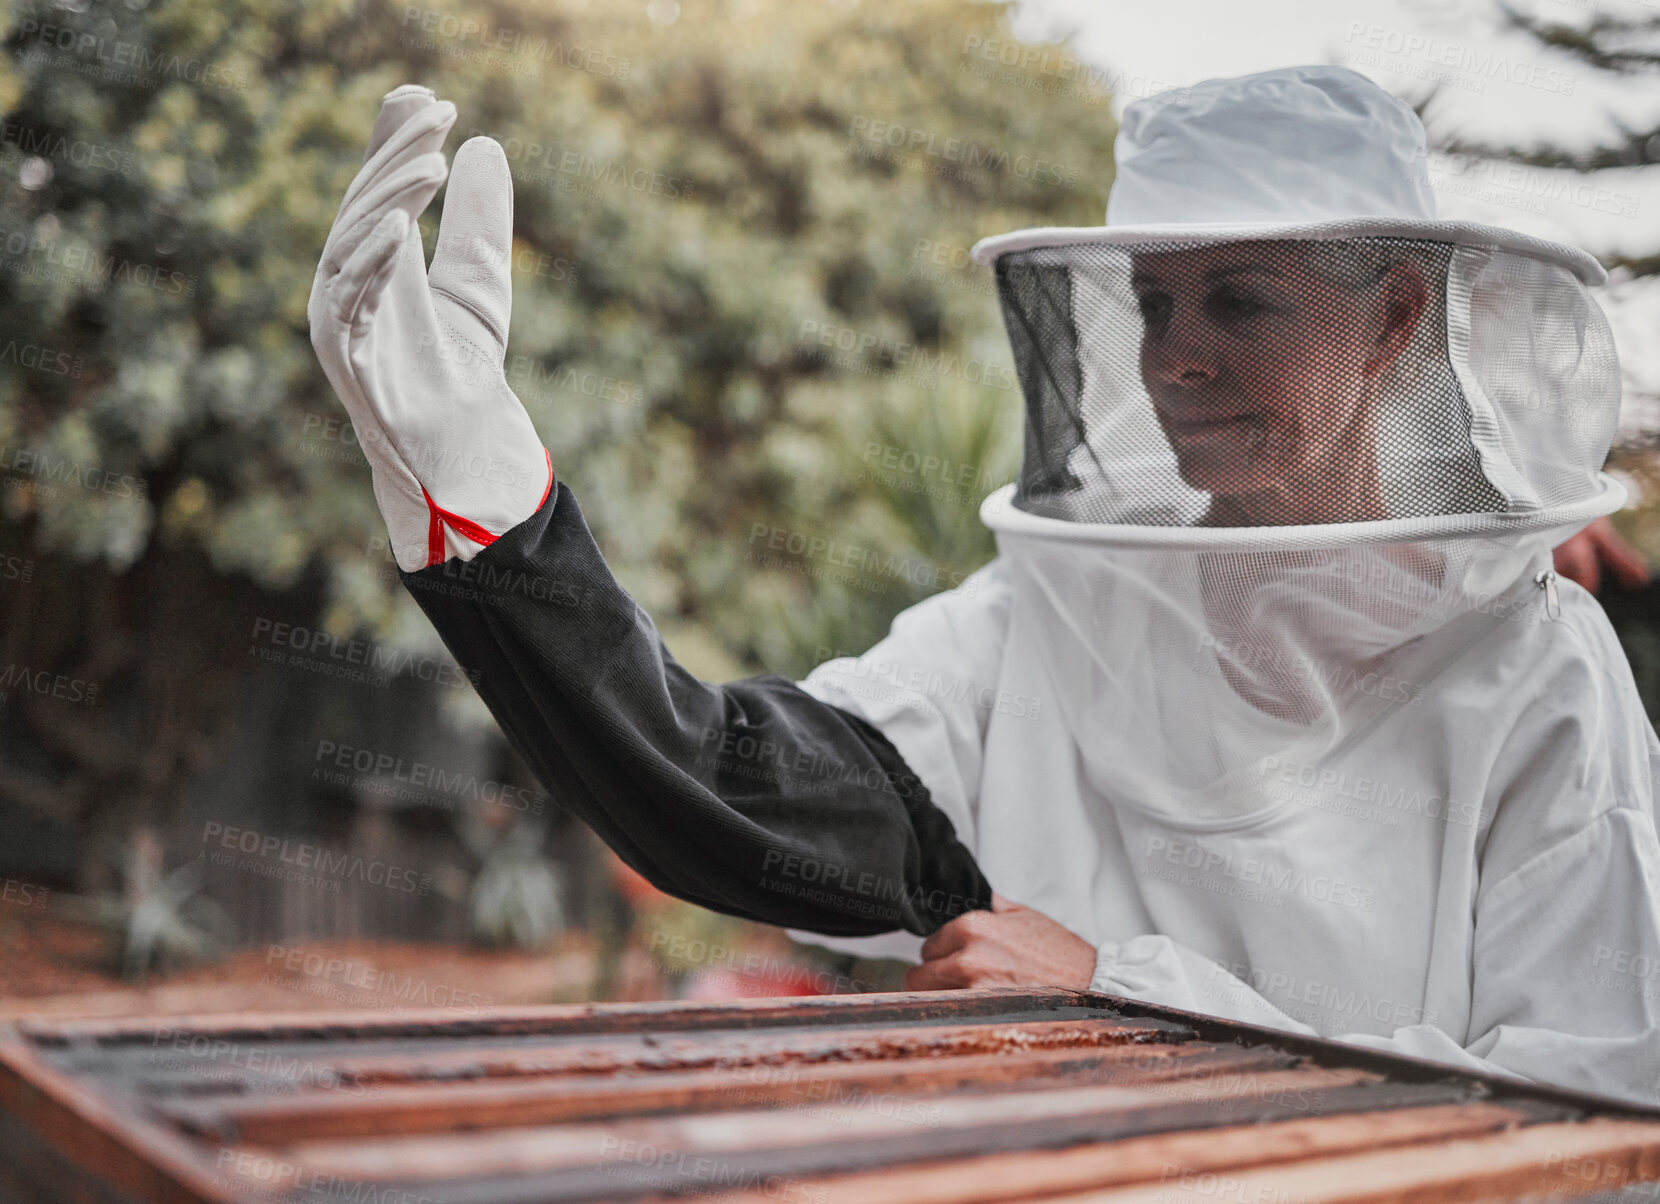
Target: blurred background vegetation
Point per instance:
(707, 194)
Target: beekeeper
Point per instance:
(1270, 706)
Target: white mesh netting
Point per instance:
(1427, 417)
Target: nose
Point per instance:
(1179, 355)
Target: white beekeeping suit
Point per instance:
(1270, 692)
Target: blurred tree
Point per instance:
(1622, 47)
(744, 326)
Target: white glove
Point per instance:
(416, 357)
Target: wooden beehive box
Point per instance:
(853, 1099)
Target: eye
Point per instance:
(1233, 304)
(1155, 307)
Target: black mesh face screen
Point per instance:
(1044, 341)
(1259, 383)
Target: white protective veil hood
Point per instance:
(1270, 694)
(1292, 442)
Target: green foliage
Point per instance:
(514, 898)
(1614, 46)
(689, 203)
(163, 922)
(696, 202)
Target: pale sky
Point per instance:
(1146, 46)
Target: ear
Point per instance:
(1405, 297)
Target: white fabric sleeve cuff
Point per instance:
(1427, 1041)
(1105, 959)
(1156, 969)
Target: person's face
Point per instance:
(1259, 368)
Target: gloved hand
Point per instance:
(416, 356)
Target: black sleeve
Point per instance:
(751, 798)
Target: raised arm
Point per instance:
(752, 798)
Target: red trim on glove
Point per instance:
(437, 516)
(548, 488)
(435, 532)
